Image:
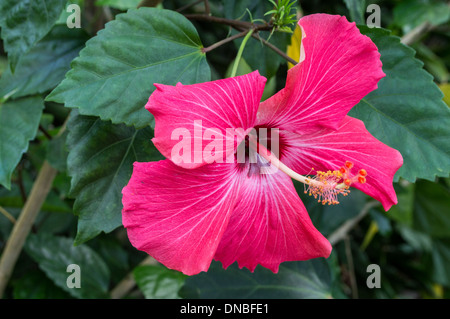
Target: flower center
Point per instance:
(247, 154)
(324, 186)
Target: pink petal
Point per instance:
(338, 67)
(328, 150)
(270, 225)
(177, 215)
(223, 104)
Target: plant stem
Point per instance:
(244, 26)
(24, 223)
(224, 41)
(237, 24)
(351, 267)
(343, 230)
(127, 283)
(5, 213)
(239, 54)
(207, 8)
(23, 193)
(22, 227)
(275, 49)
(416, 33)
(149, 3)
(107, 14)
(189, 5)
(44, 131)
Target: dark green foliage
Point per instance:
(75, 98)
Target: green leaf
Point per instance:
(111, 250)
(382, 222)
(100, 162)
(157, 282)
(119, 4)
(19, 121)
(411, 13)
(54, 254)
(432, 62)
(114, 75)
(295, 280)
(36, 285)
(45, 65)
(55, 222)
(57, 152)
(3, 64)
(431, 209)
(406, 112)
(417, 240)
(441, 260)
(25, 22)
(429, 229)
(356, 9)
(403, 211)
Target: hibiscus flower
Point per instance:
(186, 212)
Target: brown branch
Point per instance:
(224, 41)
(345, 228)
(415, 34)
(351, 267)
(149, 3)
(44, 131)
(5, 213)
(237, 24)
(24, 223)
(107, 14)
(23, 192)
(128, 283)
(188, 5)
(244, 27)
(275, 49)
(22, 227)
(207, 8)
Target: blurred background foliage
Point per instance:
(410, 243)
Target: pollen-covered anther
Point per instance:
(323, 186)
(326, 186)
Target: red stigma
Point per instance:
(348, 164)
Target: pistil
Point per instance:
(324, 186)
